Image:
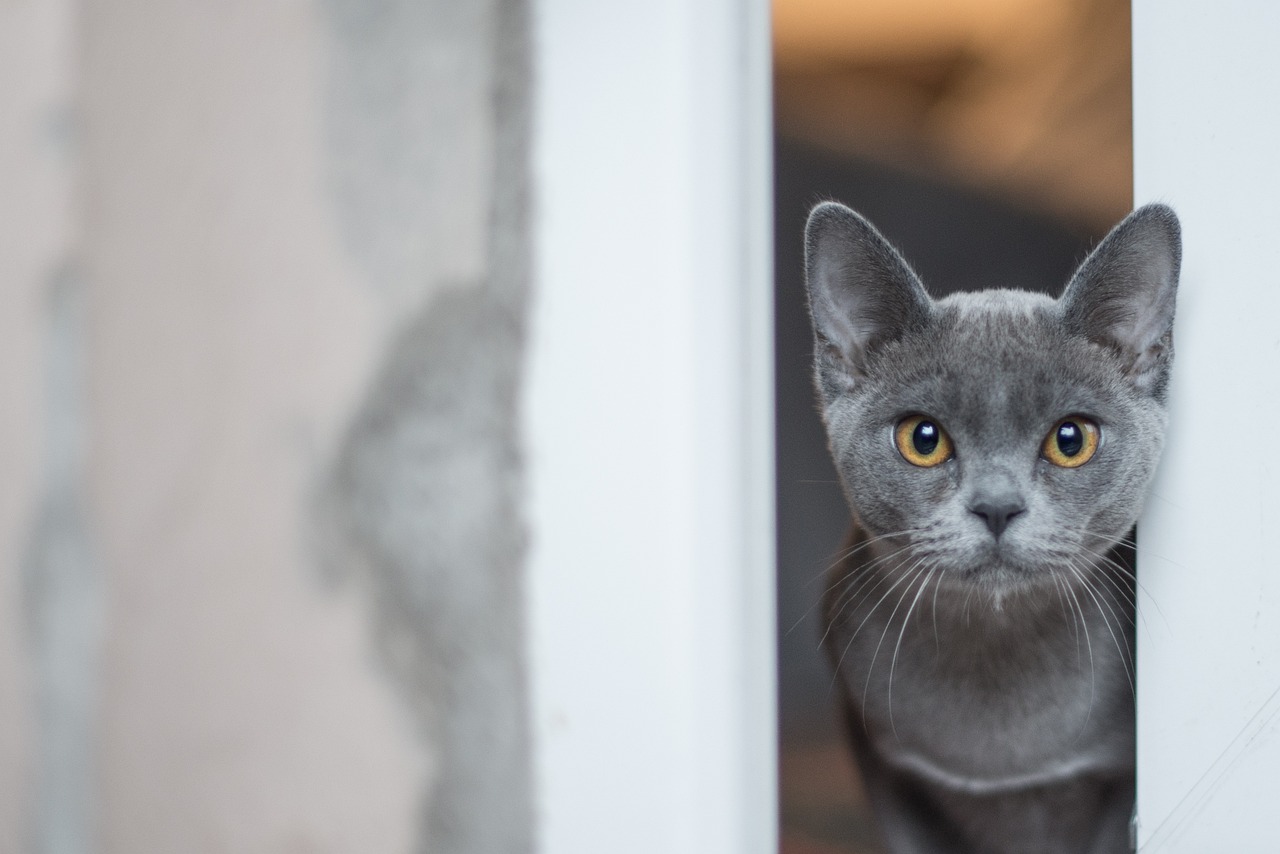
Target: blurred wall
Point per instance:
(264, 271)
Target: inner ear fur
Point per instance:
(862, 294)
(1124, 294)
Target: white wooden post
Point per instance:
(649, 429)
(1206, 126)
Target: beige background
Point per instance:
(217, 218)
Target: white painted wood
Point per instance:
(1205, 130)
(648, 422)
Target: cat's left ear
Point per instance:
(862, 294)
(1123, 295)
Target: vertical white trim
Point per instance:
(648, 425)
(1205, 130)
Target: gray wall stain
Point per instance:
(410, 130)
(424, 498)
(425, 490)
(62, 589)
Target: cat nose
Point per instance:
(998, 513)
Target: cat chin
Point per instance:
(983, 558)
(1003, 575)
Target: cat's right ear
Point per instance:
(1123, 295)
(862, 294)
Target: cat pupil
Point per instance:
(1070, 438)
(925, 438)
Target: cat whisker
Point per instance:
(844, 554)
(1122, 540)
(862, 577)
(1126, 655)
(903, 577)
(1124, 597)
(1127, 574)
(850, 579)
(1110, 543)
(1062, 602)
(865, 568)
(1122, 610)
(1084, 625)
(1101, 568)
(889, 622)
(937, 645)
(898, 646)
(1101, 571)
(832, 621)
(1130, 543)
(967, 597)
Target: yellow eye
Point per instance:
(1072, 442)
(922, 441)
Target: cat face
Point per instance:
(1000, 435)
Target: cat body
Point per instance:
(995, 449)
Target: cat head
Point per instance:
(1000, 434)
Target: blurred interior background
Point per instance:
(991, 141)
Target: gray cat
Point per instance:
(995, 449)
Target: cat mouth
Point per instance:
(1004, 562)
(1001, 563)
(998, 570)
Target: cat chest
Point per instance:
(975, 728)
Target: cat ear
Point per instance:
(862, 295)
(1123, 295)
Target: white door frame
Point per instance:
(648, 427)
(1205, 127)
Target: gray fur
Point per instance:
(987, 677)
